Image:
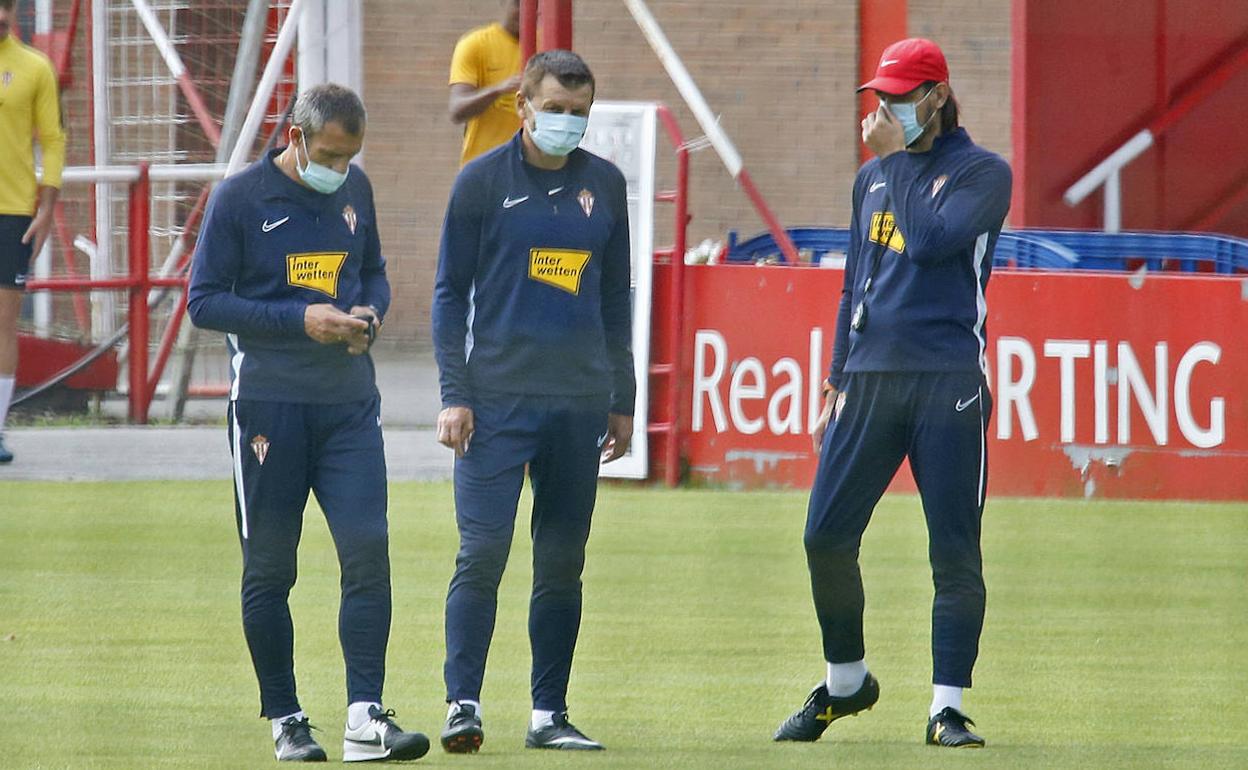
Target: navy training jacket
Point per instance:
(923, 232)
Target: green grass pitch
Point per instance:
(1117, 633)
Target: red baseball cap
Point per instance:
(906, 65)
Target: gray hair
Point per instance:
(328, 103)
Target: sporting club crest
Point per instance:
(348, 216)
(586, 199)
(260, 447)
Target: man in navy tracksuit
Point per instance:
(532, 330)
(289, 265)
(908, 380)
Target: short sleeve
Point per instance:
(466, 61)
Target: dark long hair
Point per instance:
(949, 112)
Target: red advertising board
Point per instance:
(1106, 385)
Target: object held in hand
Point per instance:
(372, 326)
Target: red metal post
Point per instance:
(1019, 209)
(196, 102)
(170, 336)
(1231, 64)
(165, 348)
(676, 298)
(556, 18)
(140, 264)
(81, 313)
(71, 32)
(676, 315)
(528, 30)
(880, 22)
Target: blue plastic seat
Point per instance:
(1043, 249)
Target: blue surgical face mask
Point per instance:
(555, 133)
(323, 179)
(907, 115)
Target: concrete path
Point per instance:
(134, 454)
(407, 379)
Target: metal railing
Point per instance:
(1108, 172)
(145, 291)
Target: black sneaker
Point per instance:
(463, 733)
(295, 744)
(560, 734)
(5, 455)
(380, 738)
(948, 728)
(822, 709)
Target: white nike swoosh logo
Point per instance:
(572, 739)
(508, 202)
(887, 62)
(962, 405)
(603, 439)
(876, 186)
(555, 191)
(267, 227)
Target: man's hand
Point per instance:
(455, 428)
(619, 436)
(40, 228)
(369, 339)
(509, 86)
(825, 417)
(330, 326)
(882, 132)
(466, 101)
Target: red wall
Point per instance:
(1088, 75)
(752, 378)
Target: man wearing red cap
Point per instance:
(908, 380)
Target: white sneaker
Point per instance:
(560, 734)
(381, 738)
(295, 742)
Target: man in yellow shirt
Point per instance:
(28, 101)
(485, 75)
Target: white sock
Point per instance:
(455, 704)
(944, 696)
(542, 718)
(845, 679)
(277, 723)
(357, 713)
(6, 396)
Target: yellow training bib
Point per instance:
(884, 230)
(316, 270)
(561, 268)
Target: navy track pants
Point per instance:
(939, 421)
(283, 451)
(560, 439)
